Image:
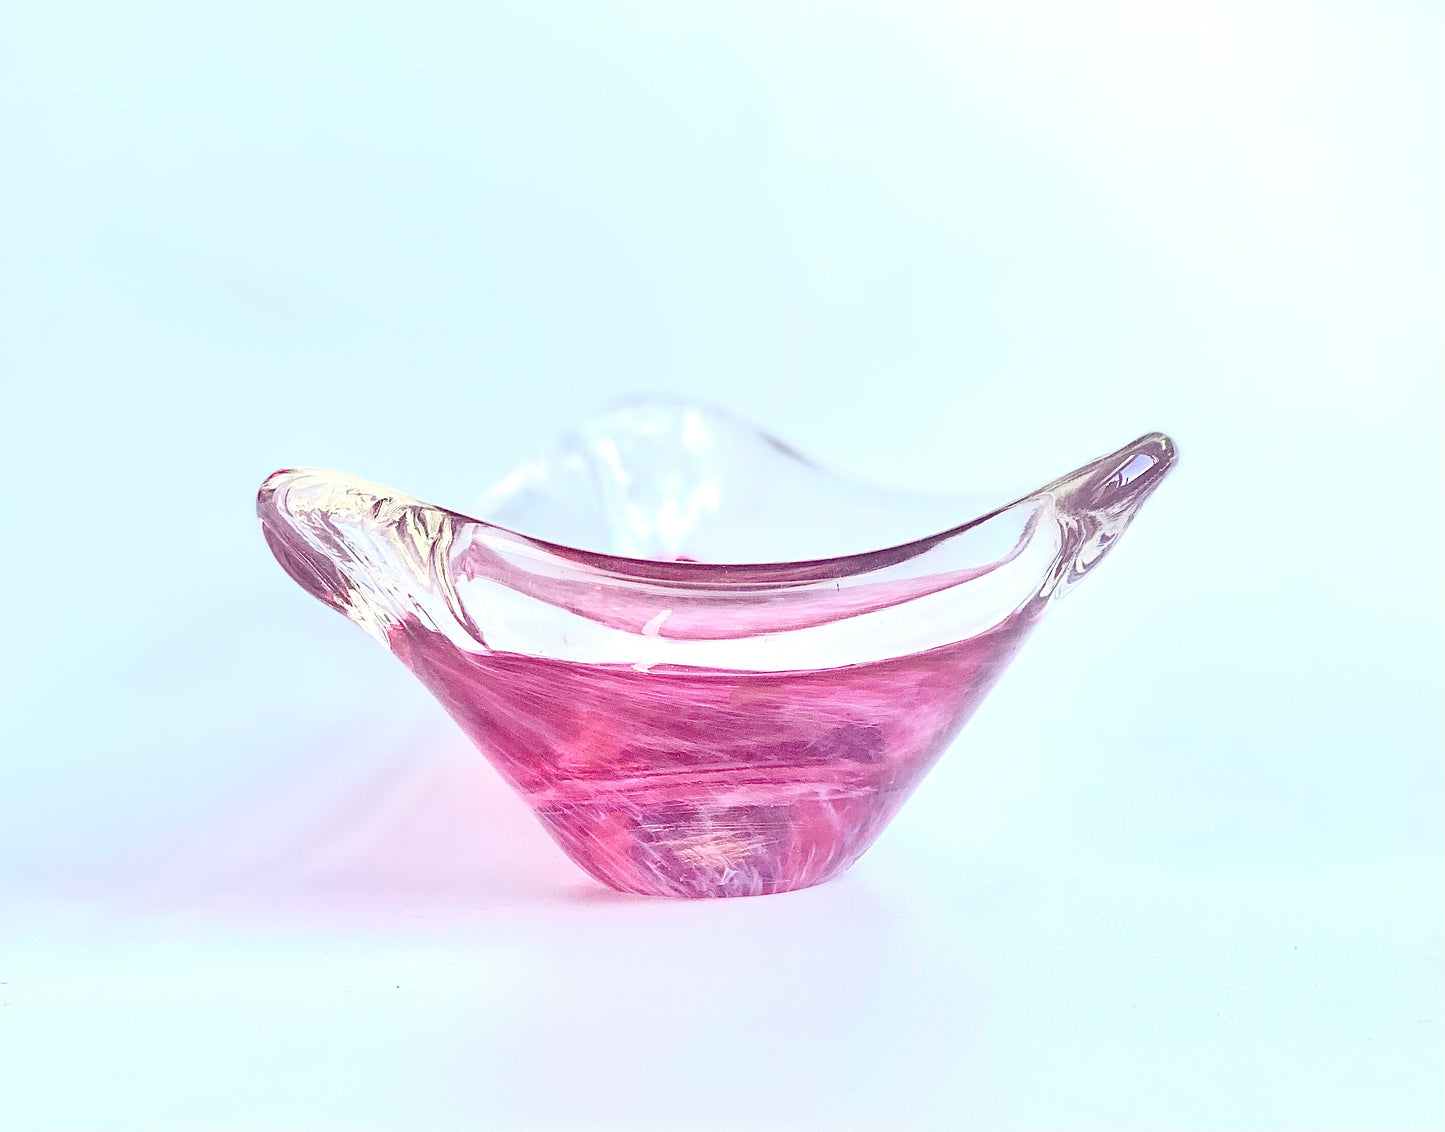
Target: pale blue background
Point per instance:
(1184, 868)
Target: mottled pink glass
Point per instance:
(697, 666)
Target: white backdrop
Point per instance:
(1182, 870)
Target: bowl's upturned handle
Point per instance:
(378, 557)
(1095, 504)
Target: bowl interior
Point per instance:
(681, 482)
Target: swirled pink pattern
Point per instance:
(695, 782)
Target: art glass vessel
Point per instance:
(710, 668)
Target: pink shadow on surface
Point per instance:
(416, 824)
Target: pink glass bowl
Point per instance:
(731, 690)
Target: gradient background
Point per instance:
(1183, 869)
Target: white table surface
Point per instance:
(1184, 868)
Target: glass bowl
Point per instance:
(709, 667)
